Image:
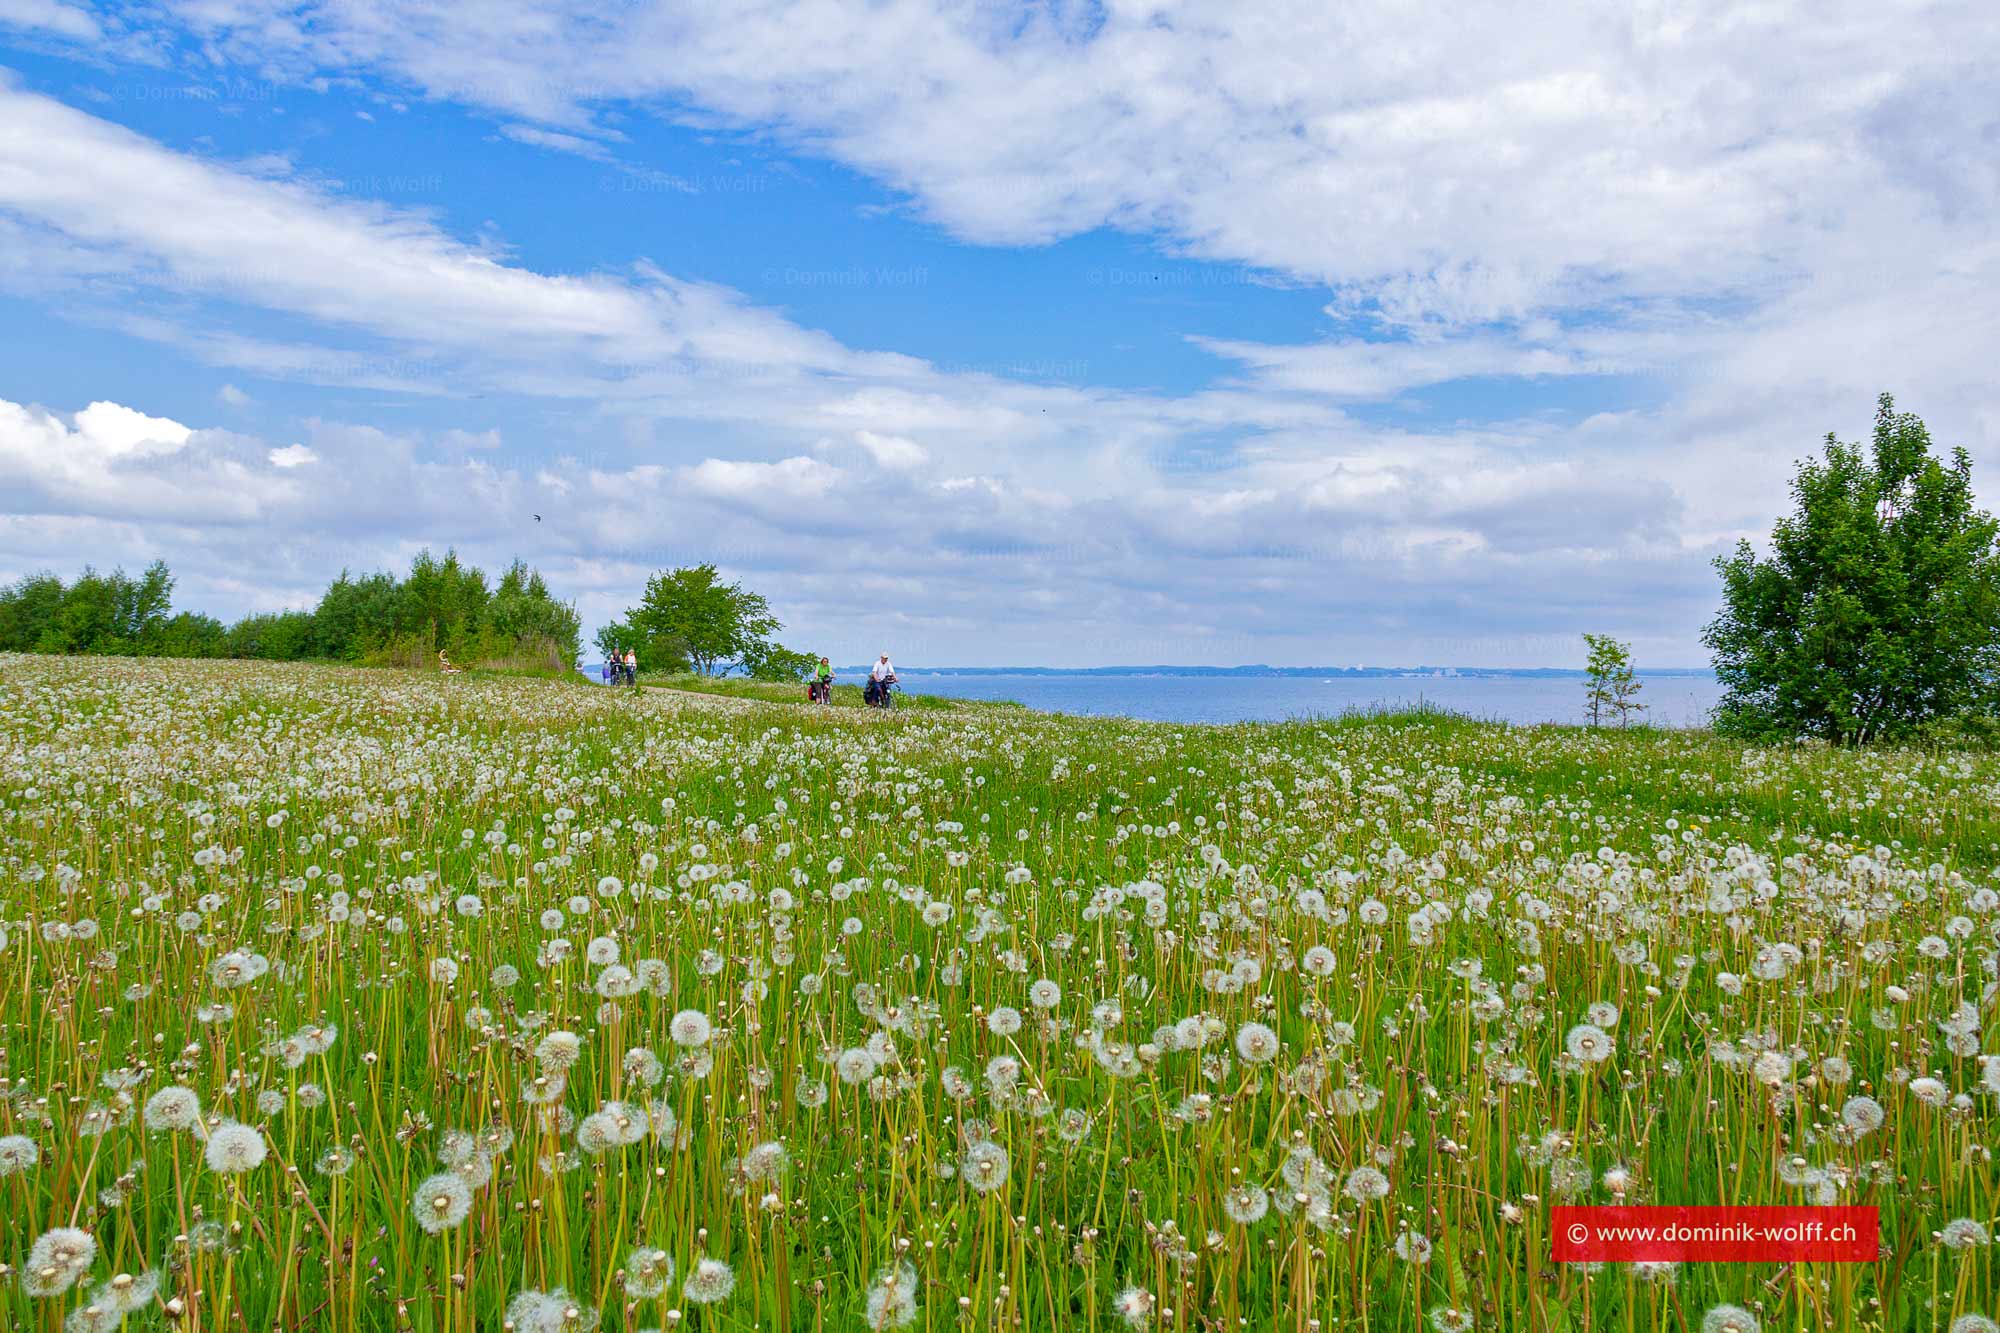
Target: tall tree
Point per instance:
(1878, 608)
(716, 624)
(524, 617)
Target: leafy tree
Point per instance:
(192, 634)
(28, 610)
(142, 606)
(716, 624)
(774, 661)
(99, 613)
(88, 618)
(283, 636)
(443, 603)
(355, 616)
(1878, 610)
(525, 618)
(663, 653)
(1608, 684)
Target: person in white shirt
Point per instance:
(880, 677)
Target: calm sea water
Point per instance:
(1675, 701)
(1672, 701)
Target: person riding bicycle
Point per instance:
(880, 677)
(821, 687)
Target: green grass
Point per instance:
(1781, 931)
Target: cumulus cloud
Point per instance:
(1747, 219)
(1363, 545)
(892, 451)
(111, 431)
(112, 461)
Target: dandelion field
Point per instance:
(377, 1000)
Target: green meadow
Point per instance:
(371, 999)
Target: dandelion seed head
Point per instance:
(234, 1149)
(709, 1281)
(441, 1202)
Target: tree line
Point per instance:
(380, 619)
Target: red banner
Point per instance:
(1716, 1235)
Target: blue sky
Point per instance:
(1051, 335)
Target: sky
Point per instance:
(1057, 334)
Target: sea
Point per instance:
(1672, 700)
(1680, 699)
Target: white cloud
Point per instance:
(787, 481)
(231, 396)
(557, 141)
(111, 431)
(892, 451)
(1371, 371)
(205, 228)
(1757, 215)
(111, 461)
(1450, 164)
(1363, 541)
(467, 439)
(49, 16)
(291, 456)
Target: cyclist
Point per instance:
(880, 677)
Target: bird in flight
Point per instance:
(538, 518)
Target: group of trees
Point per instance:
(689, 620)
(440, 604)
(101, 613)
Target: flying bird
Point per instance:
(538, 518)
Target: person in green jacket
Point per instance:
(822, 682)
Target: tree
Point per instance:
(1609, 684)
(282, 636)
(355, 617)
(28, 611)
(192, 634)
(99, 613)
(524, 619)
(1878, 610)
(442, 603)
(657, 652)
(774, 661)
(714, 624)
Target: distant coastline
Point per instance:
(1296, 673)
